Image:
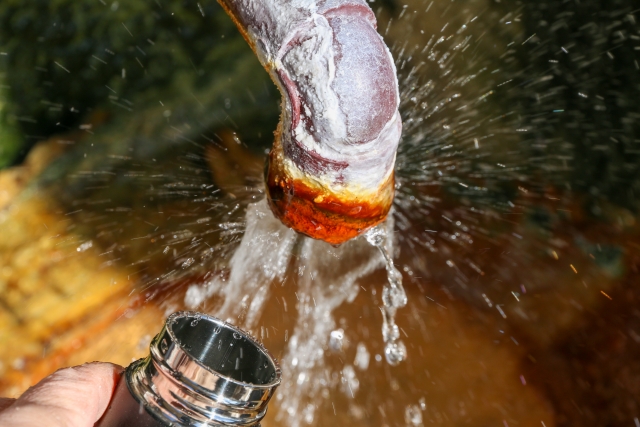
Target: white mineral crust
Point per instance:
(340, 121)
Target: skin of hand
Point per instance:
(70, 397)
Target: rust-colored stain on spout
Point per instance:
(313, 210)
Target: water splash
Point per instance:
(393, 296)
(326, 279)
(262, 257)
(413, 416)
(323, 285)
(362, 357)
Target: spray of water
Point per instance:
(239, 249)
(327, 278)
(262, 257)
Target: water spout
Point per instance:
(331, 169)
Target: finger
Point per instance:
(5, 402)
(70, 397)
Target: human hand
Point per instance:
(70, 397)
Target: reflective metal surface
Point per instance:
(204, 372)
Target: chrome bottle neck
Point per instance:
(203, 372)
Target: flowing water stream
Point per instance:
(393, 295)
(326, 277)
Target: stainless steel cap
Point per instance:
(202, 371)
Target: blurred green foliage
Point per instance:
(583, 105)
(64, 58)
(10, 137)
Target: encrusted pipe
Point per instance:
(200, 372)
(330, 171)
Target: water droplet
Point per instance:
(350, 382)
(394, 296)
(236, 336)
(308, 413)
(195, 321)
(390, 332)
(375, 236)
(395, 352)
(362, 357)
(301, 378)
(413, 416)
(335, 340)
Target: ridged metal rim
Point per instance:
(176, 400)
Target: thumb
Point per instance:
(70, 397)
